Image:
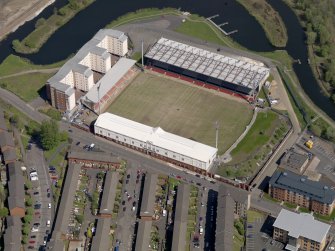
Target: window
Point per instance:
(109, 134)
(174, 156)
(182, 159)
(117, 137)
(141, 145)
(132, 142)
(125, 139)
(166, 153)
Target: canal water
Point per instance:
(69, 38)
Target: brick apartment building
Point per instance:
(300, 231)
(290, 187)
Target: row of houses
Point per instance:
(15, 188)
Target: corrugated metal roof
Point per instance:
(157, 136)
(301, 225)
(232, 70)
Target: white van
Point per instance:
(201, 230)
(48, 223)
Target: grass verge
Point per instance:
(27, 86)
(45, 28)
(15, 64)
(269, 19)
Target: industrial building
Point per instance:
(78, 74)
(300, 231)
(237, 75)
(155, 142)
(297, 189)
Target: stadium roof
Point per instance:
(156, 136)
(212, 64)
(300, 184)
(301, 225)
(107, 82)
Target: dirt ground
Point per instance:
(14, 13)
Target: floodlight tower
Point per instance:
(217, 134)
(142, 55)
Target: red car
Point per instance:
(32, 241)
(178, 177)
(37, 213)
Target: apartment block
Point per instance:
(298, 189)
(300, 231)
(78, 72)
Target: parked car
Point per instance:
(36, 193)
(49, 205)
(37, 206)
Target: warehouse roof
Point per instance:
(6, 139)
(12, 235)
(205, 62)
(106, 83)
(156, 136)
(315, 190)
(181, 218)
(143, 235)
(301, 225)
(224, 221)
(93, 156)
(108, 194)
(101, 237)
(149, 192)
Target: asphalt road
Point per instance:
(35, 161)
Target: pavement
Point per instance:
(36, 161)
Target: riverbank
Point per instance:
(319, 40)
(44, 28)
(269, 19)
(15, 15)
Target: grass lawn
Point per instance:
(183, 109)
(258, 135)
(14, 64)
(199, 27)
(269, 19)
(27, 86)
(290, 205)
(141, 14)
(238, 241)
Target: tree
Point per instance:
(89, 232)
(40, 22)
(316, 130)
(311, 37)
(49, 135)
(330, 133)
(62, 11)
(25, 229)
(239, 226)
(27, 218)
(29, 202)
(79, 218)
(28, 185)
(15, 120)
(29, 211)
(3, 212)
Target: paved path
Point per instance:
(19, 104)
(51, 70)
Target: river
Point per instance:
(69, 38)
